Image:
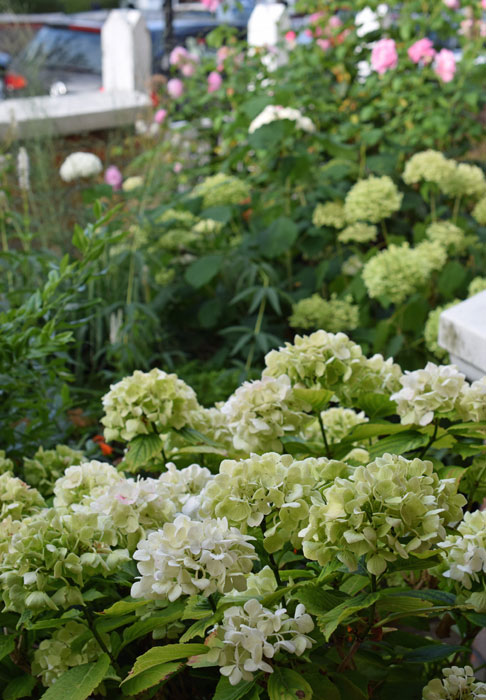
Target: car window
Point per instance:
(59, 47)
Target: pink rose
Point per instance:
(445, 65)
(113, 177)
(178, 55)
(384, 56)
(423, 49)
(211, 5)
(324, 44)
(335, 22)
(175, 88)
(160, 116)
(214, 81)
(452, 4)
(290, 36)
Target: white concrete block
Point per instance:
(71, 114)
(267, 27)
(462, 332)
(126, 52)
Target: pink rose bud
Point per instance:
(384, 56)
(175, 88)
(445, 65)
(214, 81)
(113, 177)
(160, 115)
(178, 55)
(422, 50)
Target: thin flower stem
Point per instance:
(324, 436)
(96, 635)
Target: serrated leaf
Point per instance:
(413, 564)
(122, 607)
(318, 601)
(240, 691)
(377, 405)
(348, 690)
(316, 398)
(369, 430)
(142, 449)
(278, 237)
(19, 687)
(198, 628)
(332, 619)
(79, 682)
(432, 652)
(203, 270)
(164, 654)
(152, 676)
(286, 684)
(398, 444)
(149, 624)
(7, 645)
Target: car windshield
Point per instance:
(60, 47)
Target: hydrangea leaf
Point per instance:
(285, 684)
(19, 687)
(164, 654)
(147, 679)
(241, 691)
(79, 682)
(142, 449)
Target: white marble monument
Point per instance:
(462, 332)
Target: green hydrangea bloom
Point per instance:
(48, 465)
(18, 499)
(399, 271)
(6, 464)
(373, 200)
(472, 401)
(358, 232)
(329, 214)
(479, 212)
(178, 217)
(207, 227)
(271, 489)
(431, 331)
(212, 423)
(456, 684)
(477, 285)
(448, 235)
(338, 422)
(261, 412)
(221, 189)
(430, 166)
(147, 401)
(332, 315)
(351, 266)
(464, 181)
(390, 509)
(69, 646)
(53, 555)
(86, 479)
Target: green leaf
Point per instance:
(198, 628)
(317, 398)
(368, 430)
(152, 676)
(278, 237)
(332, 619)
(203, 270)
(348, 690)
(142, 449)
(323, 687)
(149, 624)
(398, 444)
(7, 645)
(285, 684)
(432, 652)
(412, 564)
(240, 691)
(318, 601)
(163, 654)
(79, 682)
(20, 687)
(122, 607)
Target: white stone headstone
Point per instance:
(462, 332)
(126, 52)
(267, 27)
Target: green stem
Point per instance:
(102, 645)
(433, 209)
(258, 326)
(432, 439)
(212, 602)
(455, 211)
(324, 436)
(384, 232)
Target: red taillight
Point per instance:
(13, 81)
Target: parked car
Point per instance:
(65, 54)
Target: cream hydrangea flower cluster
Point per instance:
(6, 464)
(147, 401)
(456, 684)
(329, 214)
(48, 465)
(477, 285)
(260, 412)
(398, 271)
(188, 557)
(358, 232)
(271, 491)
(389, 509)
(86, 479)
(472, 402)
(18, 499)
(212, 422)
(448, 235)
(428, 392)
(64, 650)
(272, 113)
(465, 556)
(431, 331)
(52, 555)
(251, 635)
(332, 314)
(338, 422)
(430, 166)
(221, 189)
(464, 181)
(372, 200)
(479, 212)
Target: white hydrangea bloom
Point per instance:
(251, 634)
(90, 478)
(273, 113)
(261, 412)
(456, 684)
(465, 553)
(80, 164)
(472, 402)
(188, 557)
(425, 392)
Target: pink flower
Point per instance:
(113, 177)
(178, 56)
(214, 81)
(177, 167)
(335, 22)
(175, 88)
(384, 56)
(324, 44)
(290, 36)
(445, 65)
(308, 32)
(160, 116)
(188, 69)
(423, 49)
(211, 5)
(483, 4)
(452, 4)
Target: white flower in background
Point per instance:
(273, 113)
(251, 634)
(435, 389)
(23, 169)
(80, 164)
(465, 553)
(188, 557)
